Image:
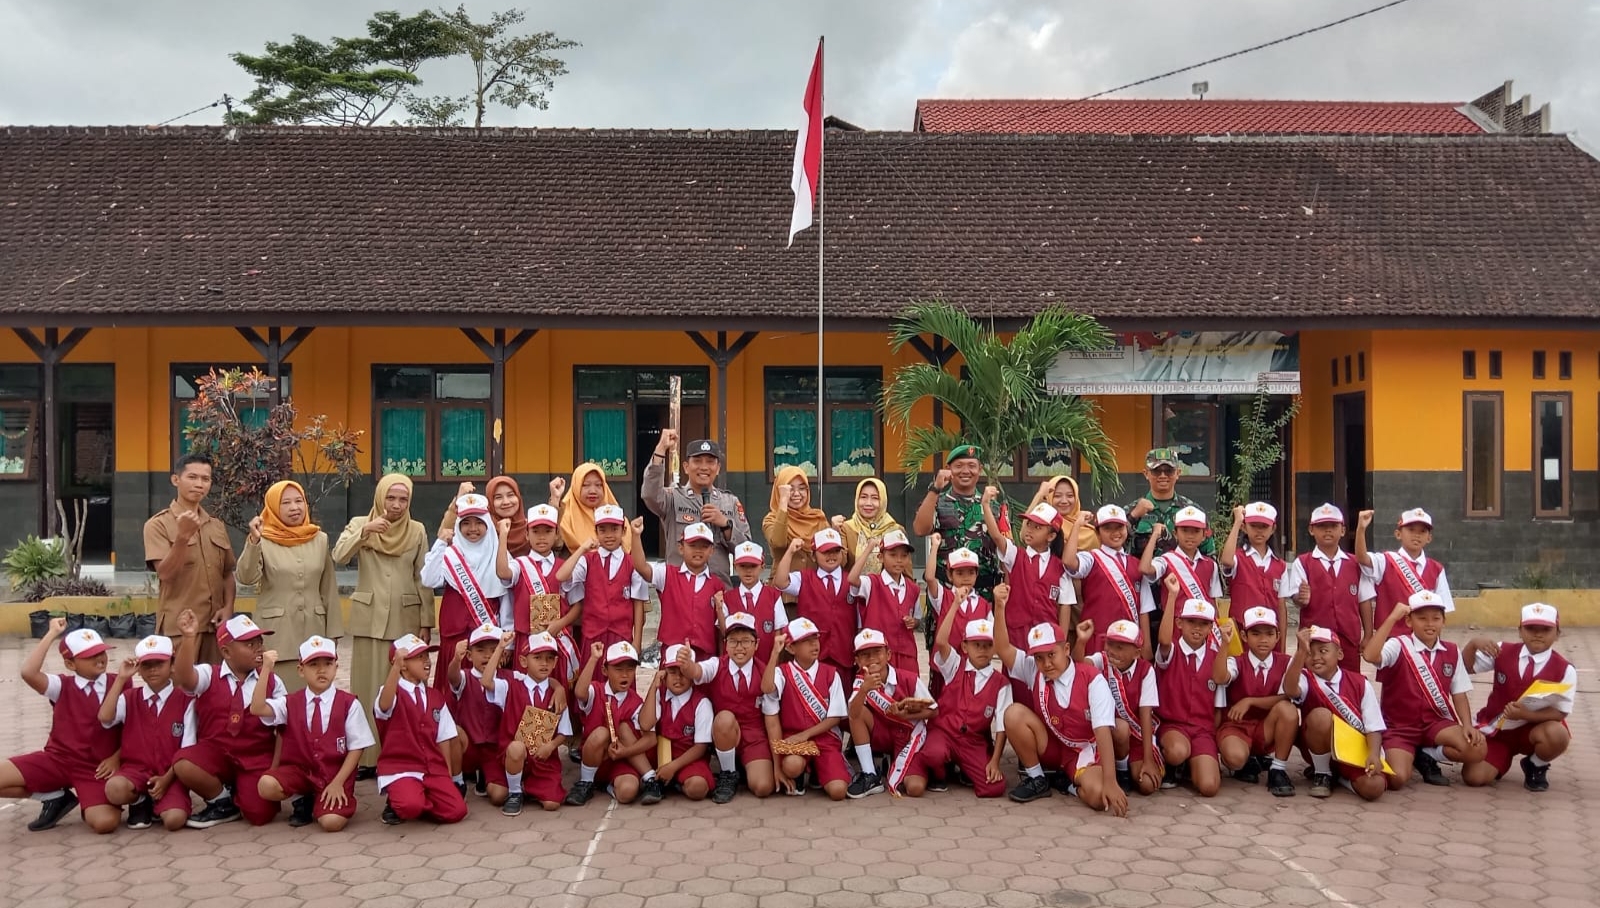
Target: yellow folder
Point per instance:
(1350, 746)
(1539, 695)
(1235, 645)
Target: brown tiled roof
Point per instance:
(1155, 116)
(539, 227)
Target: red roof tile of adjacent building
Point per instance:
(1194, 117)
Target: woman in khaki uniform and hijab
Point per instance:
(390, 600)
(287, 559)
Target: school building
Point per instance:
(515, 300)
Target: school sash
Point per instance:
(1119, 699)
(1336, 702)
(809, 694)
(1179, 566)
(1042, 695)
(1119, 580)
(1430, 684)
(919, 737)
(1407, 573)
(468, 586)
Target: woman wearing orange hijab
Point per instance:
(792, 517)
(286, 558)
(587, 491)
(1062, 493)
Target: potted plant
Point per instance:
(39, 623)
(123, 622)
(33, 560)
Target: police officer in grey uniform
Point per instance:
(698, 501)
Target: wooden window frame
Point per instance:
(825, 454)
(31, 432)
(1564, 512)
(1498, 481)
(1214, 430)
(434, 408)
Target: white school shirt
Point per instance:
(357, 732)
(1380, 563)
(436, 576)
(1296, 575)
(838, 706)
(1237, 666)
(710, 667)
(1563, 702)
(1263, 561)
(470, 675)
(540, 688)
(892, 680)
(734, 601)
(1371, 711)
(950, 669)
(1102, 709)
(1149, 694)
(793, 589)
(614, 560)
(1151, 583)
(659, 574)
(447, 724)
(703, 714)
(52, 686)
(1086, 563)
(144, 698)
(245, 687)
(1065, 594)
(587, 703)
(1459, 682)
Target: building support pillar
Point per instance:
(50, 351)
(722, 354)
(498, 350)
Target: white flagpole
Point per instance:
(822, 93)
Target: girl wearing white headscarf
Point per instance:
(471, 565)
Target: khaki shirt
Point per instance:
(297, 592)
(390, 600)
(206, 574)
(680, 507)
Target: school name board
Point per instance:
(1182, 362)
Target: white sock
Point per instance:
(1034, 772)
(1437, 753)
(1537, 760)
(1322, 763)
(457, 779)
(725, 760)
(1122, 763)
(48, 795)
(648, 776)
(586, 772)
(864, 757)
(226, 793)
(1279, 764)
(514, 782)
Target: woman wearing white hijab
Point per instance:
(471, 565)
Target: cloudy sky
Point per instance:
(739, 63)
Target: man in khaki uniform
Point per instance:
(698, 501)
(189, 552)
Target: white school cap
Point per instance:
(740, 619)
(472, 505)
(870, 639)
(541, 642)
(1044, 637)
(621, 651)
(826, 540)
(1322, 634)
(609, 515)
(1260, 512)
(962, 558)
(895, 539)
(1535, 614)
(1326, 513)
(748, 553)
(1123, 631)
(1110, 513)
(1415, 515)
(82, 644)
(1198, 609)
(979, 630)
(1045, 514)
(1254, 617)
(1426, 599)
(1190, 516)
(698, 532)
(801, 629)
(543, 515)
(239, 627)
(318, 648)
(485, 631)
(670, 656)
(154, 648)
(411, 645)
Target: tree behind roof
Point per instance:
(511, 70)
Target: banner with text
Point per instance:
(1182, 362)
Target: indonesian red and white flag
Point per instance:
(807, 152)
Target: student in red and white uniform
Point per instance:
(681, 716)
(891, 601)
(80, 752)
(1041, 591)
(822, 596)
(1324, 691)
(1331, 588)
(889, 713)
(1131, 679)
(417, 733)
(689, 592)
(536, 576)
(1259, 724)
(969, 728)
(601, 575)
(738, 731)
(472, 566)
(803, 700)
(1113, 584)
(233, 748)
(535, 773)
(156, 721)
(1065, 724)
(1187, 663)
(1425, 687)
(1515, 728)
(1260, 578)
(1196, 571)
(1397, 576)
(962, 568)
(477, 708)
(615, 746)
(762, 601)
(323, 732)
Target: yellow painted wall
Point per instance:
(1313, 427)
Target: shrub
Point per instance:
(40, 590)
(33, 559)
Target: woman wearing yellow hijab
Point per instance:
(587, 491)
(792, 517)
(390, 600)
(286, 558)
(868, 524)
(1062, 493)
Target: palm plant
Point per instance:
(1002, 402)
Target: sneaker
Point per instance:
(1533, 777)
(301, 813)
(580, 794)
(1279, 783)
(51, 811)
(651, 791)
(366, 773)
(141, 814)
(1062, 782)
(575, 754)
(1321, 784)
(390, 818)
(1125, 780)
(1169, 779)
(480, 785)
(727, 787)
(513, 805)
(1428, 768)
(215, 813)
(938, 785)
(1249, 773)
(799, 788)
(1031, 788)
(461, 786)
(865, 784)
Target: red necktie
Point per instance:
(316, 717)
(1261, 676)
(1033, 562)
(827, 581)
(1194, 662)
(155, 708)
(236, 705)
(416, 694)
(1433, 661)
(1527, 671)
(740, 686)
(749, 602)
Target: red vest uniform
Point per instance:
(973, 608)
(678, 727)
(1393, 589)
(221, 716)
(886, 612)
(319, 756)
(1068, 728)
(1204, 570)
(1509, 683)
(1405, 702)
(150, 740)
(410, 736)
(835, 618)
(795, 716)
(1033, 598)
(764, 608)
(627, 714)
(1103, 602)
(1352, 690)
(1335, 600)
(1249, 684)
(746, 707)
(688, 615)
(964, 712)
(456, 619)
(1188, 701)
(518, 699)
(889, 733)
(522, 598)
(607, 610)
(1252, 586)
(473, 712)
(76, 737)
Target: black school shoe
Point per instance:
(1249, 773)
(1428, 768)
(1031, 788)
(366, 773)
(580, 794)
(215, 813)
(938, 785)
(300, 813)
(1062, 782)
(1125, 780)
(1321, 784)
(480, 784)
(1533, 777)
(864, 785)
(141, 813)
(513, 805)
(651, 791)
(1279, 783)
(51, 811)
(390, 818)
(727, 787)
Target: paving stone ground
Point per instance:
(1420, 848)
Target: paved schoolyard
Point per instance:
(1440, 848)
